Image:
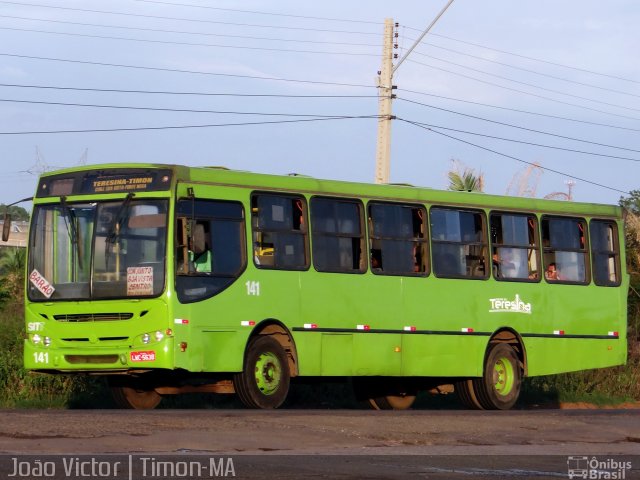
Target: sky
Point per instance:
(496, 86)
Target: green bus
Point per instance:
(170, 279)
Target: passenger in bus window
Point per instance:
(376, 260)
(551, 273)
(495, 260)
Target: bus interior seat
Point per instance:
(199, 242)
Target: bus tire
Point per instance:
(383, 394)
(134, 397)
(499, 387)
(392, 402)
(264, 381)
(467, 394)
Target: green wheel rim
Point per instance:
(268, 373)
(503, 376)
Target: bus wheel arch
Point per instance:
(504, 365)
(269, 360)
(514, 339)
(280, 333)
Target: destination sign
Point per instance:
(118, 180)
(121, 184)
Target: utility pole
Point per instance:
(385, 89)
(385, 95)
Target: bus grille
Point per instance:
(102, 339)
(93, 317)
(75, 359)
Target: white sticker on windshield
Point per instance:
(139, 281)
(41, 283)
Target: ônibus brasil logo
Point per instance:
(506, 305)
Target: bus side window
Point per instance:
(514, 247)
(565, 250)
(280, 239)
(210, 241)
(338, 235)
(605, 253)
(458, 243)
(397, 239)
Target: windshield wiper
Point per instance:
(116, 225)
(72, 228)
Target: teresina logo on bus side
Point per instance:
(514, 306)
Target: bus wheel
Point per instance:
(466, 393)
(499, 387)
(134, 397)
(502, 378)
(380, 394)
(392, 402)
(264, 382)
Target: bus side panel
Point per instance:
(570, 313)
(357, 305)
(309, 349)
(547, 357)
(442, 355)
(337, 354)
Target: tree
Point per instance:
(17, 213)
(632, 229)
(464, 179)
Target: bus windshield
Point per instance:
(98, 250)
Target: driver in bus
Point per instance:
(200, 255)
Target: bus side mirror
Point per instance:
(6, 227)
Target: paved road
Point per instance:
(336, 443)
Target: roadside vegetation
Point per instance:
(18, 389)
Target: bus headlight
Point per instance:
(154, 337)
(36, 339)
(47, 341)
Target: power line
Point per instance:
(527, 143)
(184, 32)
(178, 127)
(175, 70)
(159, 17)
(564, 137)
(525, 92)
(586, 122)
(216, 94)
(528, 70)
(529, 84)
(515, 158)
(191, 44)
(261, 13)
(174, 110)
(530, 58)
(165, 92)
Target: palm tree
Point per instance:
(464, 179)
